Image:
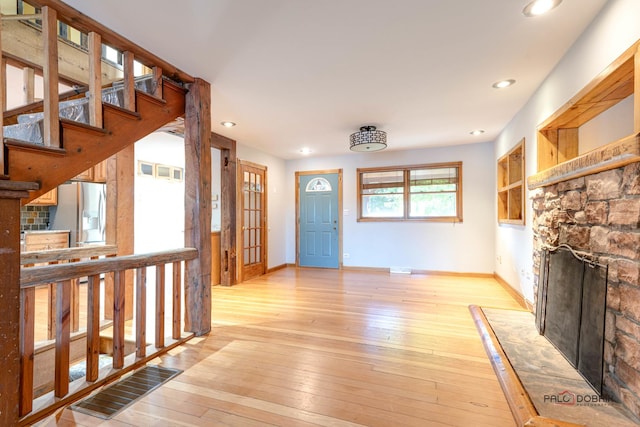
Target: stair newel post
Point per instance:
(10, 194)
(50, 77)
(197, 228)
(95, 79)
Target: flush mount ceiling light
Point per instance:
(539, 7)
(503, 84)
(228, 124)
(368, 139)
(477, 132)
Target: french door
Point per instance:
(253, 220)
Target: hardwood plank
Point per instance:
(313, 347)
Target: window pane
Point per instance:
(432, 205)
(383, 206)
(433, 180)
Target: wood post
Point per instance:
(197, 231)
(228, 175)
(129, 82)
(636, 91)
(119, 227)
(10, 195)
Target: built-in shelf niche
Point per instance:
(558, 136)
(511, 186)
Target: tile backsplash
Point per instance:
(34, 218)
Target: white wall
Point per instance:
(159, 203)
(462, 247)
(276, 203)
(609, 35)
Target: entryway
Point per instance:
(318, 231)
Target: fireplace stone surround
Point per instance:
(592, 203)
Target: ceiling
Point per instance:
(302, 73)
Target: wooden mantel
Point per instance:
(611, 156)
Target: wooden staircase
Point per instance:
(83, 146)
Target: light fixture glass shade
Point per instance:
(368, 139)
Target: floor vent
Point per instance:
(114, 398)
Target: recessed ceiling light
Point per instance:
(503, 84)
(539, 7)
(305, 150)
(477, 132)
(228, 124)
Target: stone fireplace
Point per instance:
(592, 204)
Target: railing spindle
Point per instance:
(29, 81)
(157, 78)
(118, 318)
(63, 337)
(93, 327)
(95, 79)
(129, 79)
(141, 312)
(50, 75)
(177, 300)
(27, 353)
(160, 270)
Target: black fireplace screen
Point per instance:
(570, 310)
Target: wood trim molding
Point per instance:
(527, 305)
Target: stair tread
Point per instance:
(17, 143)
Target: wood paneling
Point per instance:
(316, 347)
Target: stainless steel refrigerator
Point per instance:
(81, 209)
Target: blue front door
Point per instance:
(319, 220)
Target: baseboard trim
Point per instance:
(278, 267)
(524, 303)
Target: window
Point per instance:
(411, 193)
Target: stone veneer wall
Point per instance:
(599, 214)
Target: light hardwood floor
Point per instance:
(309, 347)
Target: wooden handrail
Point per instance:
(66, 254)
(82, 22)
(63, 275)
(35, 276)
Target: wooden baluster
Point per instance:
(177, 300)
(3, 91)
(75, 302)
(157, 80)
(63, 337)
(160, 269)
(93, 327)
(50, 75)
(95, 79)
(27, 351)
(29, 83)
(129, 81)
(141, 312)
(118, 319)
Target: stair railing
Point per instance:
(49, 12)
(62, 275)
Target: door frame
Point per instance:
(340, 213)
(240, 217)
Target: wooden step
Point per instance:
(84, 146)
